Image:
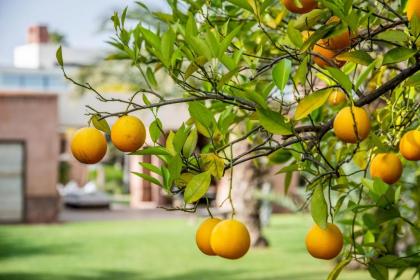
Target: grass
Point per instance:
(152, 250)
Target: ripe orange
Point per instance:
(410, 145)
(230, 239)
(413, 8)
(324, 244)
(337, 97)
(202, 236)
(346, 122)
(324, 56)
(307, 6)
(128, 134)
(386, 166)
(88, 145)
(339, 41)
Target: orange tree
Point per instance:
(261, 72)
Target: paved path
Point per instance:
(117, 213)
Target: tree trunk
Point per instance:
(247, 180)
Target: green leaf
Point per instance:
(151, 167)
(190, 143)
(151, 38)
(242, 4)
(166, 178)
(194, 65)
(308, 20)
(273, 122)
(287, 180)
(167, 46)
(155, 130)
(197, 187)
(59, 56)
(169, 144)
(378, 272)
(99, 124)
(228, 40)
(397, 55)
(191, 27)
(281, 73)
(294, 35)
(397, 36)
(413, 81)
(338, 268)
(152, 151)
(341, 78)
(362, 78)
(319, 210)
(174, 168)
(300, 76)
(311, 102)
(358, 57)
(280, 156)
(149, 178)
(214, 164)
(180, 138)
(200, 113)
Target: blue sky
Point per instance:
(79, 20)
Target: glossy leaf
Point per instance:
(319, 210)
(197, 187)
(310, 103)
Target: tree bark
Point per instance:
(247, 180)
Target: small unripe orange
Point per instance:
(387, 167)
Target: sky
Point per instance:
(79, 20)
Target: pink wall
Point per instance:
(33, 118)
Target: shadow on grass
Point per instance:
(192, 275)
(11, 247)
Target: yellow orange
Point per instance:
(128, 134)
(413, 8)
(410, 145)
(88, 145)
(324, 244)
(387, 167)
(337, 97)
(306, 6)
(230, 239)
(203, 234)
(352, 124)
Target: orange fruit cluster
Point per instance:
(228, 238)
(89, 144)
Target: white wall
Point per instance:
(38, 56)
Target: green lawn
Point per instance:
(151, 250)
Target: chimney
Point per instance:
(38, 34)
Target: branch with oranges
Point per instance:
(328, 89)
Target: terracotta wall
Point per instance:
(33, 118)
